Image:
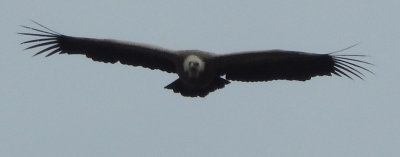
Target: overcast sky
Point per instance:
(64, 106)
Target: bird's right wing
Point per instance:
(103, 50)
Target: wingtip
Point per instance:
(341, 50)
(53, 32)
(35, 55)
(348, 66)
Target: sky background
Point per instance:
(71, 106)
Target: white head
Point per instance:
(193, 65)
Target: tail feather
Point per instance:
(178, 87)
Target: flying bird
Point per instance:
(201, 72)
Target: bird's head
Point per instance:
(193, 66)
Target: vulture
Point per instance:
(200, 72)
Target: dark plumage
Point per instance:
(200, 72)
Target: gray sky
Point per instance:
(70, 106)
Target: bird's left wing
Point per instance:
(103, 50)
(286, 65)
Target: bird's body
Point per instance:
(202, 72)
